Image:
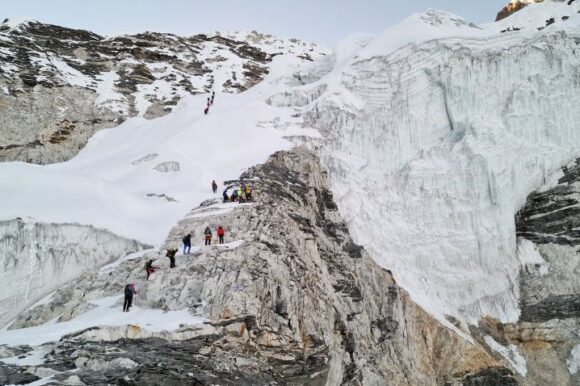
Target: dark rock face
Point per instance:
(12, 375)
(552, 307)
(553, 216)
(181, 363)
(551, 220)
(491, 377)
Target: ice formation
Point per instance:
(435, 137)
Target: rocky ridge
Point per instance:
(310, 308)
(77, 82)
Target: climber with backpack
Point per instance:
(186, 243)
(171, 254)
(225, 194)
(150, 268)
(208, 235)
(129, 292)
(214, 186)
(221, 233)
(234, 195)
(248, 189)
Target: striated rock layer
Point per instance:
(290, 300)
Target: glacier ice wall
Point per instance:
(36, 258)
(433, 147)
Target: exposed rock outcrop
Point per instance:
(308, 308)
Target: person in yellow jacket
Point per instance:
(248, 192)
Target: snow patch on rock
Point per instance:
(574, 360)
(511, 354)
(165, 167)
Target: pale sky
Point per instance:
(321, 21)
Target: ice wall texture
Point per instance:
(432, 145)
(37, 258)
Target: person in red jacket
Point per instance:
(221, 232)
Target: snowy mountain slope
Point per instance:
(138, 179)
(433, 139)
(78, 82)
(110, 182)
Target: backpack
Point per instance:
(128, 290)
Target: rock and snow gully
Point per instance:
(428, 237)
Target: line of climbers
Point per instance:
(209, 102)
(243, 193)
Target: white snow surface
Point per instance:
(511, 354)
(101, 186)
(107, 312)
(574, 360)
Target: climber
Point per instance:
(171, 254)
(208, 235)
(150, 268)
(208, 101)
(129, 292)
(221, 232)
(206, 110)
(225, 194)
(234, 195)
(241, 194)
(212, 97)
(248, 192)
(186, 243)
(214, 187)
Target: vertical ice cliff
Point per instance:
(37, 258)
(435, 132)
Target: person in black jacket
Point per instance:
(214, 187)
(171, 254)
(150, 268)
(129, 292)
(186, 244)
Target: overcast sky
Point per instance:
(321, 21)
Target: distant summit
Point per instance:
(514, 6)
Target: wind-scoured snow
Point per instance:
(107, 312)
